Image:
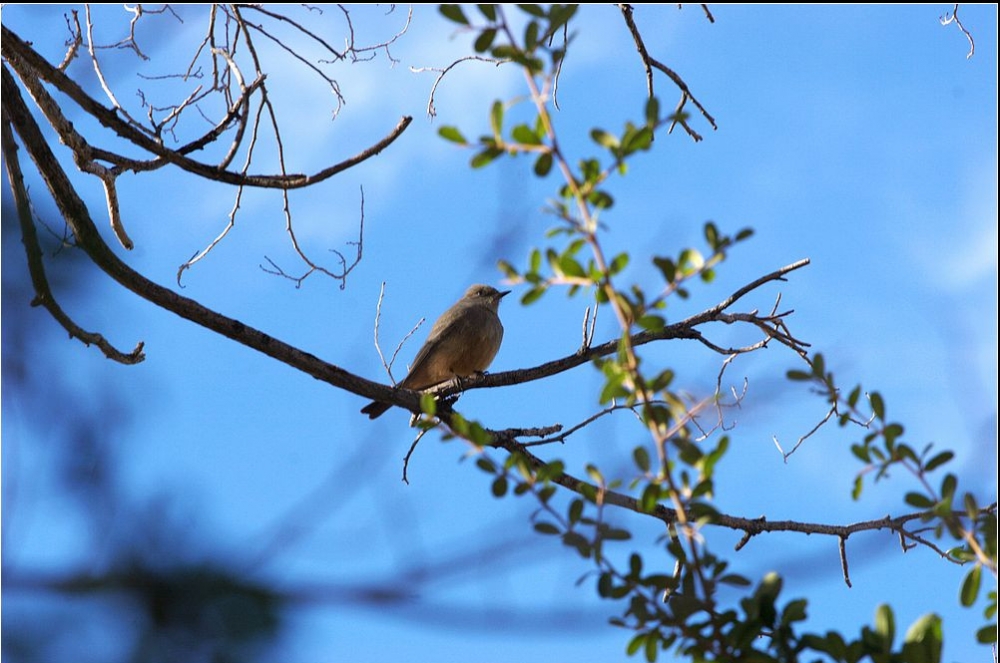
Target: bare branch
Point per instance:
(649, 63)
(842, 542)
(431, 110)
(953, 18)
(36, 268)
(409, 453)
(30, 65)
(75, 212)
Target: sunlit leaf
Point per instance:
(452, 134)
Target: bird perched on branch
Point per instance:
(462, 342)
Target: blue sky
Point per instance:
(858, 137)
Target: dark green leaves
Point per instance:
(454, 13)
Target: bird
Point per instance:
(462, 342)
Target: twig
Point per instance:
(413, 447)
(842, 542)
(784, 456)
(953, 18)
(431, 110)
(30, 65)
(649, 62)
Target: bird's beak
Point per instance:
(503, 294)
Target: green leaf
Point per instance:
(948, 486)
(496, 118)
(798, 375)
(652, 111)
(878, 405)
(885, 625)
(818, 365)
(508, 269)
(712, 235)
(559, 15)
(650, 498)
(919, 500)
(652, 646)
(428, 404)
(534, 10)
(452, 134)
(485, 40)
(618, 263)
(600, 199)
(638, 141)
(489, 11)
(855, 394)
(987, 635)
(531, 36)
(667, 268)
(535, 260)
(595, 474)
(570, 267)
(547, 528)
(485, 157)
(891, 433)
(575, 511)
(970, 586)
(543, 164)
(453, 13)
(858, 485)
(522, 133)
(735, 580)
(636, 643)
(795, 611)
(486, 464)
(938, 461)
(604, 139)
(923, 641)
(641, 457)
(613, 388)
(499, 486)
(971, 508)
(652, 322)
(576, 540)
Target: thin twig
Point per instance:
(953, 18)
(843, 559)
(413, 447)
(431, 110)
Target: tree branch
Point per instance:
(29, 64)
(36, 266)
(750, 526)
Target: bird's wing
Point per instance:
(420, 375)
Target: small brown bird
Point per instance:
(463, 341)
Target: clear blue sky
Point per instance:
(858, 137)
